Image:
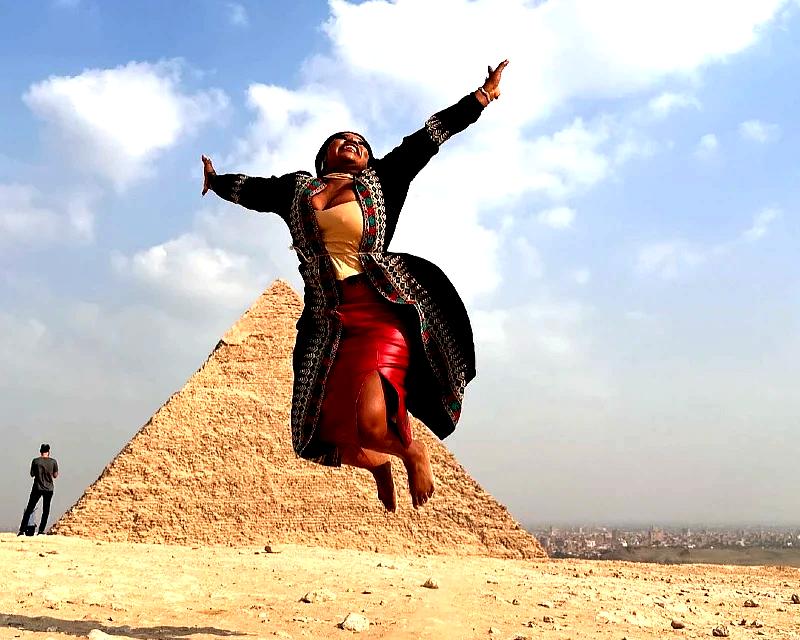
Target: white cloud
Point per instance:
(707, 147)
(668, 259)
(29, 217)
(761, 223)
(192, 269)
(671, 259)
(616, 56)
(758, 131)
(237, 14)
(113, 122)
(664, 104)
(22, 218)
(557, 217)
(290, 126)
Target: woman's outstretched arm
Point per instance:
(259, 194)
(416, 150)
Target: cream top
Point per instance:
(341, 227)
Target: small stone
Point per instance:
(354, 622)
(493, 631)
(720, 632)
(742, 622)
(546, 604)
(519, 636)
(677, 624)
(430, 583)
(751, 603)
(757, 624)
(795, 599)
(52, 629)
(515, 601)
(319, 595)
(548, 619)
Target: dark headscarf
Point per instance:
(323, 151)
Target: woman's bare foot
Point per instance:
(420, 474)
(385, 482)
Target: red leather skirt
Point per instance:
(374, 339)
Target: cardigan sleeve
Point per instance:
(416, 150)
(259, 194)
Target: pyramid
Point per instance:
(215, 465)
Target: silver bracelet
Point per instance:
(485, 93)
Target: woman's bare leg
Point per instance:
(379, 465)
(376, 435)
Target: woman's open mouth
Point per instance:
(349, 146)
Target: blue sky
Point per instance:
(622, 225)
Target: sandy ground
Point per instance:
(57, 587)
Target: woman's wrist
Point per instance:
(482, 96)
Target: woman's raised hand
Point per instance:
(492, 84)
(208, 171)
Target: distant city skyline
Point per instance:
(622, 225)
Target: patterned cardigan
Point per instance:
(443, 359)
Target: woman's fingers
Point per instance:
(499, 70)
(493, 81)
(208, 168)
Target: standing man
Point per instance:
(44, 470)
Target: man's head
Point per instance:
(45, 449)
(344, 151)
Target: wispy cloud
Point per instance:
(761, 222)
(758, 131)
(674, 258)
(668, 259)
(664, 104)
(237, 14)
(23, 219)
(707, 147)
(557, 217)
(30, 217)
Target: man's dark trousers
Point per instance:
(46, 497)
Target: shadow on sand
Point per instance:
(82, 628)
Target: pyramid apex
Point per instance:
(280, 286)
(278, 303)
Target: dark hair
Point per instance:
(45, 448)
(319, 161)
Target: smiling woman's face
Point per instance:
(347, 151)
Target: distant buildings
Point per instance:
(602, 542)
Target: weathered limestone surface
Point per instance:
(215, 465)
